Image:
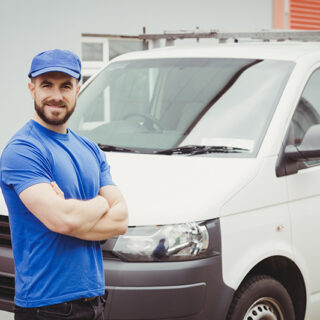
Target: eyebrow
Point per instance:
(45, 82)
(69, 83)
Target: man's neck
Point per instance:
(61, 128)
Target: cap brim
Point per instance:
(55, 69)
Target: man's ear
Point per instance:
(31, 89)
(78, 89)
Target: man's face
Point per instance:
(55, 96)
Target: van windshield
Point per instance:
(174, 105)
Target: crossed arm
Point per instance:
(99, 218)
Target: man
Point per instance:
(61, 201)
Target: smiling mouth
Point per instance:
(55, 106)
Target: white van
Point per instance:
(217, 151)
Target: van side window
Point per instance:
(307, 112)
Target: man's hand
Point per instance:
(112, 224)
(57, 190)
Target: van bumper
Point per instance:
(185, 290)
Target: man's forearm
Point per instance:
(60, 215)
(113, 223)
(84, 215)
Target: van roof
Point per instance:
(286, 50)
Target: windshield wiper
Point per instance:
(108, 147)
(198, 149)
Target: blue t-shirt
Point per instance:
(50, 267)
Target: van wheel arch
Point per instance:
(290, 277)
(261, 297)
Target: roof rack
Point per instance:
(272, 35)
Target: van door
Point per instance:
(304, 194)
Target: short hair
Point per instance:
(33, 80)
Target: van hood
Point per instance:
(161, 189)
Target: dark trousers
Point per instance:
(83, 309)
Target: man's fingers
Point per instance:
(58, 190)
(55, 188)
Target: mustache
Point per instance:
(56, 103)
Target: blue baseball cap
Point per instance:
(56, 60)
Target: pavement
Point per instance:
(6, 315)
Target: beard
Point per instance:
(54, 118)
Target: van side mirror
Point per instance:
(292, 158)
(309, 149)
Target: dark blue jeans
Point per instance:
(83, 309)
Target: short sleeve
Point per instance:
(23, 165)
(105, 175)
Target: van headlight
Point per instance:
(175, 242)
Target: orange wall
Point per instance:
(304, 14)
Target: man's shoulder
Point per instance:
(27, 132)
(24, 138)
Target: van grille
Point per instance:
(109, 255)
(6, 293)
(6, 287)
(107, 249)
(7, 281)
(5, 237)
